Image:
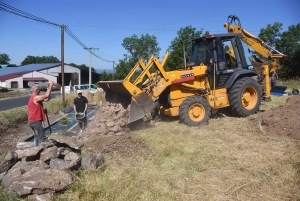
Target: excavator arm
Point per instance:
(263, 68)
(252, 41)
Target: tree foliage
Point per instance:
(82, 66)
(288, 43)
(143, 47)
(290, 46)
(176, 57)
(271, 34)
(106, 76)
(4, 59)
(38, 60)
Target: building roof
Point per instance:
(27, 68)
(34, 79)
(11, 76)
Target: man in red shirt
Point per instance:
(36, 114)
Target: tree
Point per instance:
(288, 43)
(290, 46)
(184, 35)
(12, 65)
(271, 34)
(143, 47)
(82, 67)
(104, 76)
(4, 59)
(37, 60)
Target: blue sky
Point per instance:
(104, 24)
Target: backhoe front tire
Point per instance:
(194, 111)
(245, 97)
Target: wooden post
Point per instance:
(62, 66)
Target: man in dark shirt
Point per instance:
(80, 106)
(274, 78)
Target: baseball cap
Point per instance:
(79, 91)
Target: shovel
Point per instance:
(46, 113)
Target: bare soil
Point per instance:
(124, 145)
(283, 120)
(9, 138)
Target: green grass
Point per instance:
(6, 196)
(226, 159)
(291, 84)
(18, 93)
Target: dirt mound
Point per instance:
(283, 120)
(110, 124)
(124, 145)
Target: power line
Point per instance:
(15, 11)
(70, 33)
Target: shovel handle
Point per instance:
(46, 113)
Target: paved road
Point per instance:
(19, 101)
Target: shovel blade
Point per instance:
(141, 106)
(136, 111)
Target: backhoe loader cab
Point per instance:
(213, 51)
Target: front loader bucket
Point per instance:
(115, 86)
(141, 105)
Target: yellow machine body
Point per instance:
(197, 89)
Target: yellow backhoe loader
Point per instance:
(218, 74)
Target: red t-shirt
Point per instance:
(35, 111)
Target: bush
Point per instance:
(3, 89)
(56, 88)
(43, 88)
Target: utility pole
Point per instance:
(62, 66)
(113, 70)
(90, 72)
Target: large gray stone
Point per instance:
(58, 164)
(69, 141)
(17, 170)
(71, 162)
(10, 160)
(49, 153)
(24, 145)
(63, 151)
(42, 197)
(71, 157)
(41, 182)
(92, 161)
(29, 154)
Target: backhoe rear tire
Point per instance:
(194, 111)
(245, 97)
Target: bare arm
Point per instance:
(86, 105)
(39, 98)
(74, 107)
(47, 99)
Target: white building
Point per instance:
(28, 75)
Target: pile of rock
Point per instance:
(43, 170)
(112, 117)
